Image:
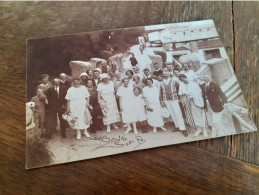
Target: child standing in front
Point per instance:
(40, 101)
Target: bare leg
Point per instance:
(128, 129)
(108, 128)
(135, 128)
(86, 133)
(78, 134)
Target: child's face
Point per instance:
(136, 91)
(38, 92)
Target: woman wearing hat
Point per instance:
(78, 99)
(84, 78)
(194, 95)
(107, 101)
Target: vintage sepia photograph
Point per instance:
(101, 93)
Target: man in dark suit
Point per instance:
(157, 70)
(63, 80)
(147, 75)
(56, 106)
(96, 79)
(214, 101)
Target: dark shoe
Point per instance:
(175, 129)
(185, 133)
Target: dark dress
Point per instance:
(96, 111)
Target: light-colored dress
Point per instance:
(194, 93)
(130, 105)
(77, 97)
(154, 118)
(111, 114)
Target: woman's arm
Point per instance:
(120, 100)
(99, 96)
(68, 106)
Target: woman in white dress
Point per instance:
(78, 99)
(128, 105)
(151, 95)
(107, 102)
(194, 94)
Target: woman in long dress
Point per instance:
(151, 96)
(107, 102)
(194, 94)
(78, 99)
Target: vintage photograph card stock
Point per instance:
(101, 93)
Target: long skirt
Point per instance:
(110, 110)
(187, 110)
(155, 118)
(198, 115)
(78, 109)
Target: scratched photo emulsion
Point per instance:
(100, 93)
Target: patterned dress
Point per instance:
(110, 109)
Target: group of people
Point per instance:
(137, 99)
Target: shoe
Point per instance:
(78, 136)
(176, 129)
(164, 129)
(185, 133)
(125, 125)
(87, 134)
(115, 126)
(154, 130)
(205, 133)
(197, 133)
(128, 130)
(108, 130)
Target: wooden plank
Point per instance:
(246, 31)
(174, 169)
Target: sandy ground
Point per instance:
(103, 143)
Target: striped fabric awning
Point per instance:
(232, 89)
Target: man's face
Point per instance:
(56, 82)
(45, 80)
(169, 68)
(136, 91)
(160, 78)
(185, 67)
(176, 73)
(149, 82)
(135, 70)
(63, 77)
(146, 72)
(118, 75)
(165, 75)
(89, 83)
(156, 66)
(206, 78)
(126, 82)
(96, 74)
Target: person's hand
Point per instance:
(163, 104)
(87, 104)
(68, 111)
(63, 107)
(121, 109)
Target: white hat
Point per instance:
(104, 76)
(62, 74)
(98, 69)
(83, 74)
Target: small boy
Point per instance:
(40, 101)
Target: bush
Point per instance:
(37, 153)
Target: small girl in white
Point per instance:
(129, 104)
